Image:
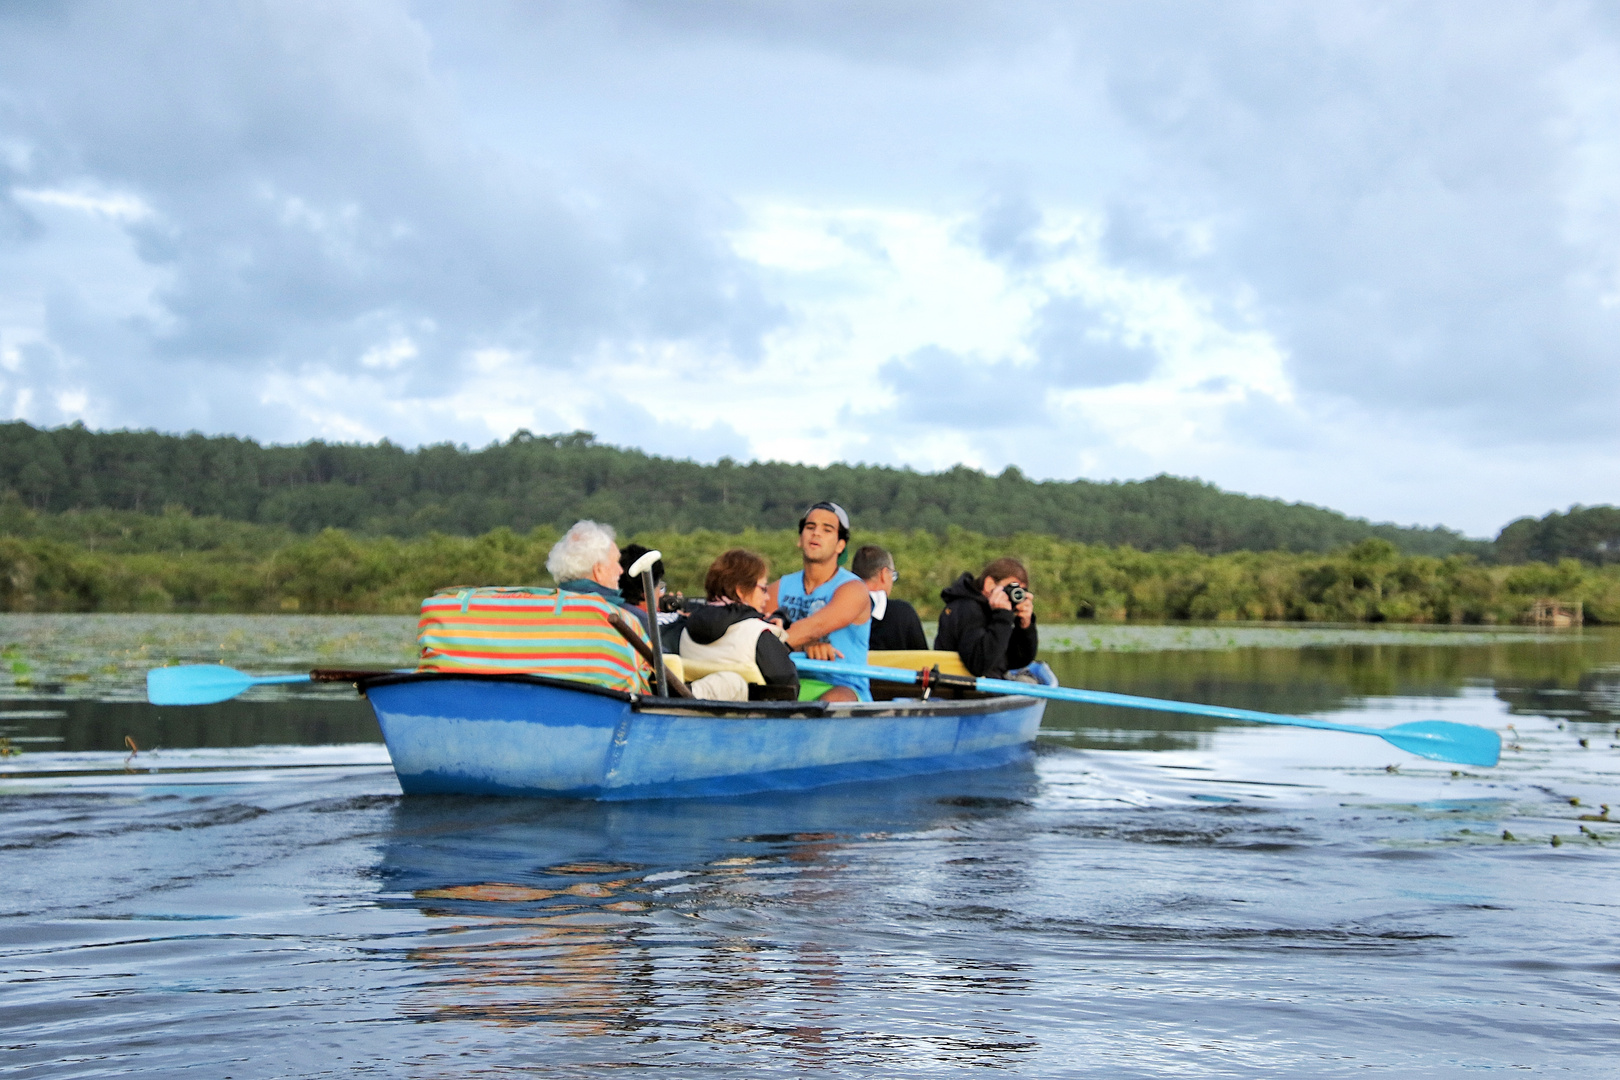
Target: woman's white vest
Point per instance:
(734, 648)
(726, 664)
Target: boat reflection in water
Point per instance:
(732, 922)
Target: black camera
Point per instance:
(1016, 593)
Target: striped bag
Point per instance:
(533, 630)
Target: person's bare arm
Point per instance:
(850, 605)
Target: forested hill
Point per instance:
(553, 480)
(1588, 533)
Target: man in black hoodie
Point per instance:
(981, 623)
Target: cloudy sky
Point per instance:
(1362, 255)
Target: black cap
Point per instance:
(631, 587)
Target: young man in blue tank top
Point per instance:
(827, 609)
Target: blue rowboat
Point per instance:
(533, 735)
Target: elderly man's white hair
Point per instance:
(584, 545)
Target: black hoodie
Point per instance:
(707, 623)
(988, 639)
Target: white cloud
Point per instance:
(118, 206)
(73, 402)
(868, 287)
(325, 404)
(389, 355)
(1348, 255)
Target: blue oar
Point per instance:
(204, 684)
(1462, 744)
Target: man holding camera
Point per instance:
(989, 620)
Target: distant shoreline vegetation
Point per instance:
(119, 561)
(143, 521)
(531, 481)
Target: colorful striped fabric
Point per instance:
(532, 630)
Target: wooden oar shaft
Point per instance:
(649, 596)
(354, 675)
(636, 642)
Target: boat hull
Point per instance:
(472, 735)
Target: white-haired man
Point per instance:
(586, 560)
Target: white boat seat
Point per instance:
(689, 670)
(695, 669)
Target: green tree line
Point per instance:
(1588, 533)
(174, 562)
(533, 481)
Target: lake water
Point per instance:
(249, 896)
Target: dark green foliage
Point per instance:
(109, 560)
(533, 481)
(1588, 533)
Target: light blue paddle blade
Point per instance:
(1462, 744)
(204, 684)
(194, 684)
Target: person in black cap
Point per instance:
(631, 586)
(670, 623)
(825, 608)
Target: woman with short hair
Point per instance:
(730, 628)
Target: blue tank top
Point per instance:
(849, 640)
